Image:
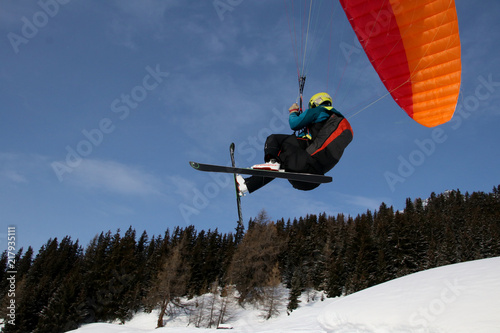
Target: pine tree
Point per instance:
(295, 292)
(44, 279)
(61, 313)
(24, 263)
(3, 276)
(240, 232)
(198, 283)
(126, 273)
(364, 250)
(63, 286)
(94, 300)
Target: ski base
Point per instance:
(303, 177)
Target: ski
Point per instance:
(303, 177)
(238, 199)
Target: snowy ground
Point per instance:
(452, 299)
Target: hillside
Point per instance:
(459, 298)
(118, 275)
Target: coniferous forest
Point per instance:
(67, 284)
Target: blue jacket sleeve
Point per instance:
(300, 121)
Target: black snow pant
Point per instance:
(290, 152)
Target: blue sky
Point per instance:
(103, 103)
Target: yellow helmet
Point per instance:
(321, 98)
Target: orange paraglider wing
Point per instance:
(415, 48)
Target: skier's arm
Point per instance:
(298, 121)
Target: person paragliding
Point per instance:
(413, 46)
(323, 135)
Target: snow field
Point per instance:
(456, 298)
(459, 298)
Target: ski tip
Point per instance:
(194, 165)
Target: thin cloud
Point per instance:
(361, 201)
(16, 168)
(294, 204)
(13, 176)
(133, 19)
(116, 178)
(182, 186)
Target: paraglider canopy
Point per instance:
(415, 48)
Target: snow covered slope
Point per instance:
(457, 298)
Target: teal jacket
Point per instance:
(310, 116)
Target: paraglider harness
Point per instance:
(326, 140)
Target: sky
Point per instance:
(104, 103)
